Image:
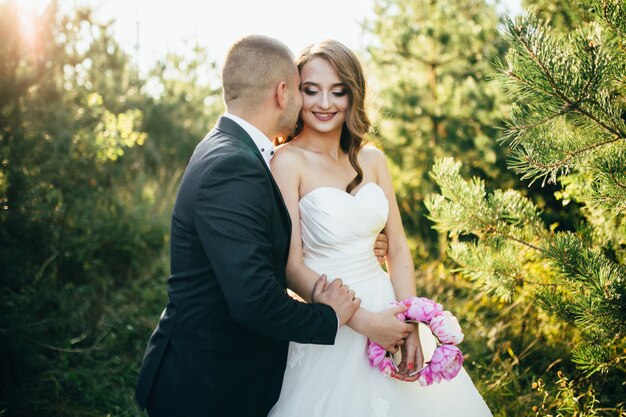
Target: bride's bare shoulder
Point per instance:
(287, 155)
(372, 156)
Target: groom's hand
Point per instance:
(337, 296)
(380, 247)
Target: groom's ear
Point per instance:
(280, 95)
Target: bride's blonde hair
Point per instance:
(350, 71)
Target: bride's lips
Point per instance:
(323, 116)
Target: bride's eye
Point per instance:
(340, 93)
(308, 91)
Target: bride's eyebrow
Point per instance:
(314, 84)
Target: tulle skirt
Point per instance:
(337, 380)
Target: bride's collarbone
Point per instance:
(325, 174)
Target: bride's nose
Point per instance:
(324, 101)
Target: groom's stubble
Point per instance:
(286, 123)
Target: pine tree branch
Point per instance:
(570, 156)
(597, 105)
(526, 244)
(490, 228)
(540, 122)
(587, 87)
(573, 104)
(567, 108)
(609, 22)
(517, 278)
(541, 65)
(540, 284)
(617, 183)
(523, 81)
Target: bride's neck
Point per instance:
(326, 143)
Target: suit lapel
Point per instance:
(229, 126)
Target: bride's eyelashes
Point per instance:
(337, 93)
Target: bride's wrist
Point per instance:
(360, 321)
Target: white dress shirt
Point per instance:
(266, 147)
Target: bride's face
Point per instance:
(325, 99)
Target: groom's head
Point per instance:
(260, 75)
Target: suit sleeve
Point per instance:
(232, 218)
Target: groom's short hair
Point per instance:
(254, 65)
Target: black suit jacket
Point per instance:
(220, 346)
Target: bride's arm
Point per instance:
(399, 260)
(381, 327)
(285, 167)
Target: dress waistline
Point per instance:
(351, 268)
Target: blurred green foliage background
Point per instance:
(92, 150)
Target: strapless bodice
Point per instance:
(339, 229)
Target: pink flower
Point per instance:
(386, 366)
(446, 362)
(400, 316)
(375, 353)
(446, 328)
(421, 308)
(426, 377)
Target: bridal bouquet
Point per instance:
(447, 359)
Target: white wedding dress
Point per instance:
(338, 234)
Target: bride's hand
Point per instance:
(412, 357)
(385, 329)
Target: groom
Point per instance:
(220, 347)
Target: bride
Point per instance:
(340, 195)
